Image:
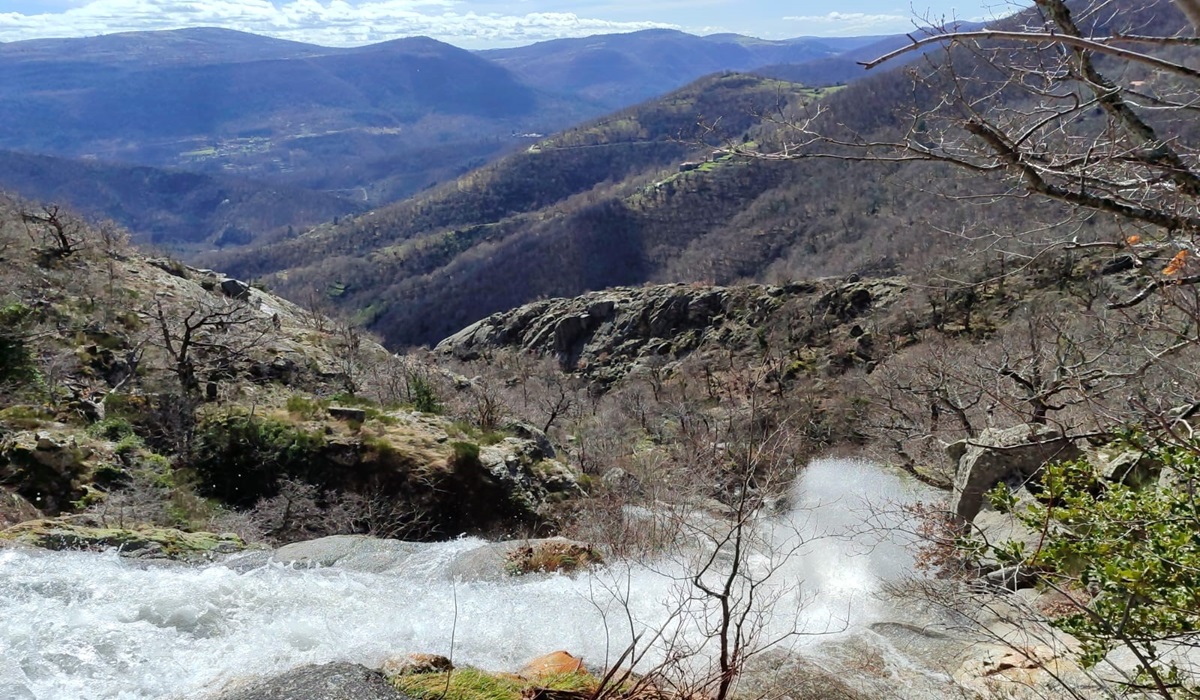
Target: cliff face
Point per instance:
(606, 335)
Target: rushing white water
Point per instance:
(77, 625)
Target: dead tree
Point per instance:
(205, 338)
(53, 232)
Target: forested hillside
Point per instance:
(185, 212)
(601, 204)
(568, 216)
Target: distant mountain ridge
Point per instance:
(379, 122)
(620, 69)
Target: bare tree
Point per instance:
(205, 339)
(1054, 103)
(55, 233)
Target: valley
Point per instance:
(729, 369)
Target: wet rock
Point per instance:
(1012, 456)
(552, 664)
(1016, 671)
(336, 681)
(410, 664)
(781, 675)
(493, 561)
(356, 552)
(139, 543)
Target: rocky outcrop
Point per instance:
(14, 508)
(1011, 456)
(47, 470)
(608, 334)
(439, 487)
(336, 681)
(529, 475)
(81, 533)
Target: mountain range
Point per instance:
(652, 194)
(373, 123)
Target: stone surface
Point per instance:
(1012, 456)
(47, 470)
(1129, 466)
(552, 664)
(235, 289)
(409, 664)
(522, 470)
(357, 552)
(336, 681)
(607, 335)
(620, 481)
(78, 532)
(356, 415)
(14, 508)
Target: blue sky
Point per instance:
(480, 23)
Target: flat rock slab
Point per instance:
(353, 552)
(336, 681)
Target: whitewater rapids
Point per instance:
(79, 626)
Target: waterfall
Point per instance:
(86, 625)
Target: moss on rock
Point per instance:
(140, 542)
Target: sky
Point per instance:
(481, 23)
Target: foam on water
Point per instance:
(77, 625)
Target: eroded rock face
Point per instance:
(612, 333)
(47, 471)
(336, 681)
(1011, 455)
(530, 478)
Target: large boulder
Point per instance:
(49, 471)
(354, 552)
(336, 681)
(528, 476)
(1012, 456)
(14, 508)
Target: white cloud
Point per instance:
(853, 23)
(327, 22)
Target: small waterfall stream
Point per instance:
(80, 625)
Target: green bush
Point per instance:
(1127, 558)
(16, 358)
(115, 428)
(240, 458)
(424, 398)
(466, 454)
(305, 407)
